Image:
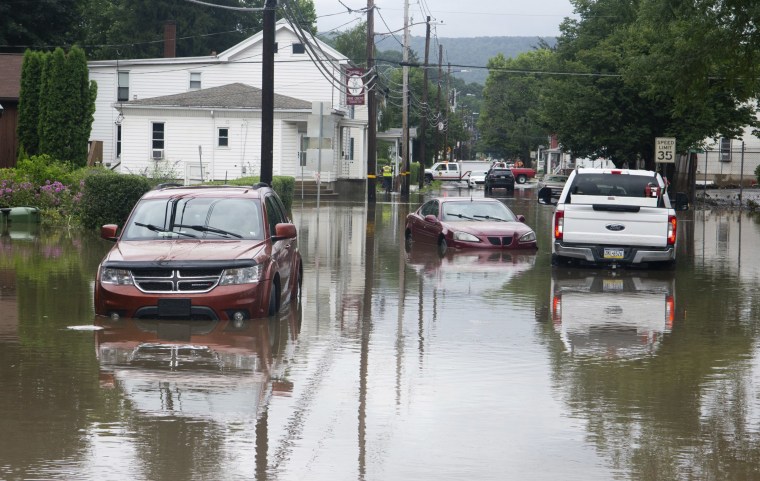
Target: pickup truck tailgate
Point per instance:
(583, 224)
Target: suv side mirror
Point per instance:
(108, 232)
(681, 201)
(285, 231)
(545, 196)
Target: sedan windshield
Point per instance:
(474, 210)
(195, 217)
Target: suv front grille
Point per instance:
(190, 280)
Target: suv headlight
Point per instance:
(529, 237)
(241, 275)
(464, 236)
(118, 277)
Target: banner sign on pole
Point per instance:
(355, 86)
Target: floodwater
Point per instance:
(396, 366)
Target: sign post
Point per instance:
(665, 150)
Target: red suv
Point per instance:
(202, 252)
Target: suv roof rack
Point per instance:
(167, 184)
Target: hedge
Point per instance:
(108, 198)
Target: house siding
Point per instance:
(186, 130)
(295, 76)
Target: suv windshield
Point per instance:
(195, 217)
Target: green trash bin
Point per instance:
(24, 215)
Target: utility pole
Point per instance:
(425, 109)
(446, 115)
(267, 93)
(371, 105)
(405, 110)
(438, 104)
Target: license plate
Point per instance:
(613, 253)
(613, 285)
(174, 308)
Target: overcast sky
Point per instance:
(451, 18)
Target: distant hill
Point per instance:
(471, 51)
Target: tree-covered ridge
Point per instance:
(469, 53)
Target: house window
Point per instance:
(195, 80)
(725, 150)
(351, 148)
(223, 137)
(157, 141)
(123, 90)
(118, 141)
(299, 48)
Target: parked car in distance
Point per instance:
(499, 178)
(555, 182)
(202, 252)
(477, 177)
(463, 222)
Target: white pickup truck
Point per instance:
(455, 171)
(614, 216)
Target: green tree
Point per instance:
(636, 71)
(134, 28)
(353, 44)
(29, 102)
(509, 120)
(39, 24)
(67, 104)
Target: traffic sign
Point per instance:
(665, 150)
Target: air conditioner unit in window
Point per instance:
(157, 154)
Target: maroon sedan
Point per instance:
(462, 222)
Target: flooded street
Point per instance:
(397, 365)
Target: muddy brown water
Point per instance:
(397, 365)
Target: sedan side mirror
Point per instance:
(431, 218)
(521, 218)
(545, 196)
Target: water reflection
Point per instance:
(612, 314)
(217, 369)
(473, 271)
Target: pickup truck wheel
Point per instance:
(521, 179)
(559, 261)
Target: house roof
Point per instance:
(224, 57)
(230, 96)
(10, 75)
(281, 24)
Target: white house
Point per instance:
(125, 120)
(729, 160)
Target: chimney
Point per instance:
(170, 39)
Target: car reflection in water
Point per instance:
(612, 315)
(472, 270)
(202, 369)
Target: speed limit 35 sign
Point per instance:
(665, 150)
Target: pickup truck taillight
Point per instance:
(672, 229)
(559, 224)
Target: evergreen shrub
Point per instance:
(108, 198)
